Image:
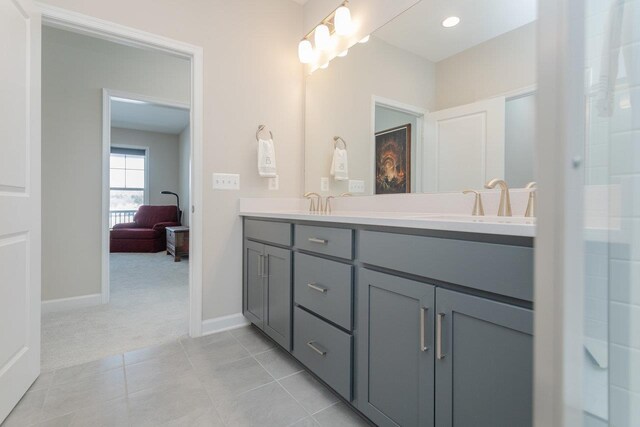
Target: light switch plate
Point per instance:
(324, 184)
(274, 183)
(226, 181)
(356, 186)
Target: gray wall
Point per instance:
(239, 94)
(520, 134)
(497, 66)
(164, 166)
(75, 69)
(184, 172)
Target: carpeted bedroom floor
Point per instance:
(149, 305)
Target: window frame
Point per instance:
(145, 190)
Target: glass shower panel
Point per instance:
(612, 214)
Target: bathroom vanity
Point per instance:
(409, 324)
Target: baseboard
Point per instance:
(224, 323)
(64, 304)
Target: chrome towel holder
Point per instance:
(337, 139)
(260, 129)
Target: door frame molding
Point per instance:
(107, 94)
(117, 33)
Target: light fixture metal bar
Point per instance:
(328, 21)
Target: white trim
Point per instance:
(64, 304)
(420, 114)
(224, 323)
(106, 156)
(76, 22)
(559, 254)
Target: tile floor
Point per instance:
(236, 378)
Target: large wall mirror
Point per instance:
(422, 107)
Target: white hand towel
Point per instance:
(340, 165)
(267, 158)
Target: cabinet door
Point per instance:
(395, 350)
(279, 301)
(253, 303)
(484, 362)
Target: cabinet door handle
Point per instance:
(316, 240)
(439, 354)
(316, 349)
(317, 288)
(423, 328)
(260, 262)
(265, 266)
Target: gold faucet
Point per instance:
(313, 206)
(505, 200)
(327, 204)
(478, 209)
(531, 204)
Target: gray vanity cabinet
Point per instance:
(267, 293)
(484, 362)
(395, 354)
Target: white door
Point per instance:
(19, 200)
(465, 146)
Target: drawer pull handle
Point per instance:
(316, 240)
(423, 327)
(439, 354)
(317, 288)
(316, 349)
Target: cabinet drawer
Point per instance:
(324, 349)
(497, 268)
(268, 231)
(337, 242)
(324, 287)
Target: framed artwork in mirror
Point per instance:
(393, 160)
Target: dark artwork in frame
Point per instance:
(393, 160)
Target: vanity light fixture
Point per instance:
(324, 66)
(343, 53)
(451, 21)
(365, 39)
(326, 36)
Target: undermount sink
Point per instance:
(471, 218)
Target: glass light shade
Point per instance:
(365, 39)
(305, 51)
(343, 53)
(324, 66)
(322, 37)
(342, 21)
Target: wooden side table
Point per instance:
(178, 242)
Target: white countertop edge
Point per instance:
(385, 220)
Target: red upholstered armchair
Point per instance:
(147, 231)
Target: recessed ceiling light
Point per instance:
(451, 21)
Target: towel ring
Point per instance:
(260, 129)
(337, 139)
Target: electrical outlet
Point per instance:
(274, 183)
(226, 181)
(356, 186)
(324, 184)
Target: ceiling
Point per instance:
(145, 116)
(419, 30)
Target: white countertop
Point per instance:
(508, 226)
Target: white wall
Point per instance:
(74, 71)
(497, 66)
(252, 76)
(339, 102)
(163, 160)
(184, 172)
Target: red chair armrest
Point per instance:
(125, 225)
(162, 225)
